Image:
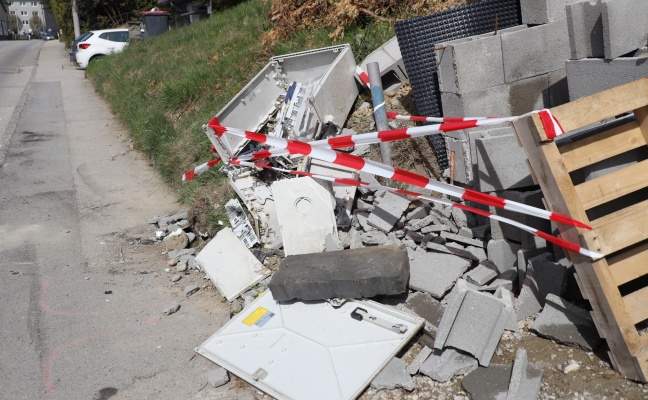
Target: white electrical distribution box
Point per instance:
(310, 350)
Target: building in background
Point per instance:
(4, 19)
(187, 12)
(25, 10)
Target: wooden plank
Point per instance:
(602, 146)
(642, 119)
(600, 106)
(621, 229)
(629, 265)
(636, 304)
(613, 185)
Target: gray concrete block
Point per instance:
(457, 325)
(585, 28)
(447, 249)
(485, 272)
(470, 64)
(543, 277)
(502, 164)
(488, 383)
(525, 378)
(507, 296)
(418, 213)
(536, 12)
(435, 228)
(557, 92)
(355, 239)
(500, 230)
(463, 167)
(373, 238)
(461, 239)
(444, 364)
(358, 273)
(427, 307)
(436, 273)
(389, 59)
(478, 253)
(363, 217)
(389, 209)
(625, 26)
(463, 218)
(503, 253)
(567, 324)
(589, 76)
(418, 224)
(420, 358)
(394, 376)
(523, 257)
(504, 280)
(535, 51)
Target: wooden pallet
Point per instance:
(617, 285)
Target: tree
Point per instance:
(15, 24)
(36, 23)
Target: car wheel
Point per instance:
(95, 58)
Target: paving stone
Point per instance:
(507, 296)
(217, 377)
(478, 252)
(373, 237)
(462, 239)
(171, 307)
(525, 378)
(435, 228)
(394, 376)
(389, 208)
(566, 323)
(427, 307)
(504, 280)
(418, 224)
(418, 213)
(358, 273)
(503, 253)
(420, 358)
(447, 249)
(482, 274)
(436, 273)
(488, 383)
(442, 216)
(457, 327)
(442, 365)
(465, 232)
(543, 277)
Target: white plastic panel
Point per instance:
(309, 350)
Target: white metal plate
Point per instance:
(309, 350)
(230, 265)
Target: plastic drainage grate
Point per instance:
(417, 38)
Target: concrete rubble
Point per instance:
(472, 279)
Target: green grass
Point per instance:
(164, 88)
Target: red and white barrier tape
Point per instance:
(549, 238)
(364, 78)
(187, 176)
(323, 152)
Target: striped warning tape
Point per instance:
(549, 238)
(187, 176)
(325, 153)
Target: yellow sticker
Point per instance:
(255, 316)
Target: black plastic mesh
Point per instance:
(417, 38)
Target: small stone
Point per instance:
(171, 307)
(571, 367)
(172, 262)
(191, 236)
(217, 377)
(191, 289)
(181, 268)
(176, 278)
(176, 240)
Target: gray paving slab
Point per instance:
(444, 364)
(566, 323)
(504, 280)
(414, 367)
(484, 273)
(436, 273)
(359, 273)
(388, 210)
(394, 376)
(427, 307)
(488, 383)
(525, 378)
(461, 239)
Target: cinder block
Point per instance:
(458, 330)
(557, 92)
(535, 51)
(625, 26)
(470, 64)
(436, 273)
(503, 254)
(585, 28)
(500, 230)
(389, 59)
(388, 209)
(537, 12)
(567, 324)
(514, 98)
(463, 164)
(444, 364)
(358, 273)
(501, 163)
(589, 76)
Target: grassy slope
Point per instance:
(165, 88)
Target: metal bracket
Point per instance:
(361, 314)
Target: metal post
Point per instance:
(75, 20)
(380, 113)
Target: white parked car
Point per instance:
(99, 44)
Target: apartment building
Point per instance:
(25, 10)
(4, 19)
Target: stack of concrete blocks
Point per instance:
(608, 41)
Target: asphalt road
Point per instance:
(80, 301)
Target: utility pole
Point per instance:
(75, 19)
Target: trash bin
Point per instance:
(156, 22)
